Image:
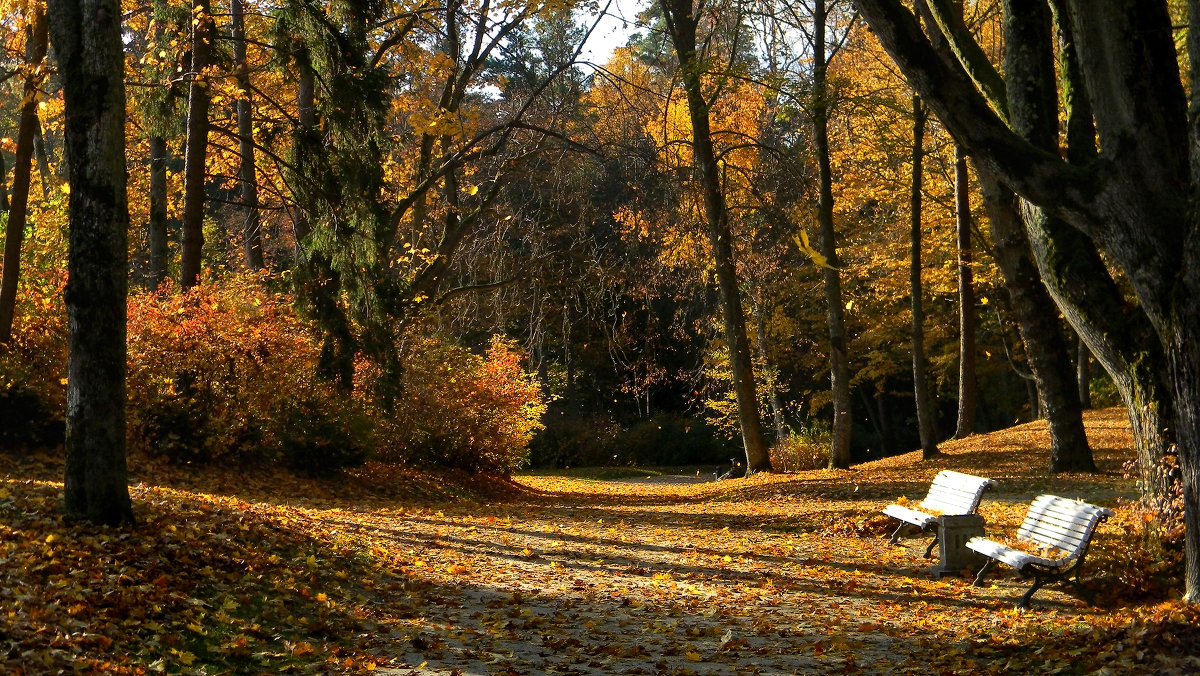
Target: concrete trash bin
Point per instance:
(953, 533)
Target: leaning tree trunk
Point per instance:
(1046, 345)
(87, 42)
(247, 172)
(682, 24)
(839, 370)
(928, 439)
(35, 54)
(967, 389)
(196, 148)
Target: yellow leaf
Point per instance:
(311, 561)
(66, 188)
(727, 558)
(471, 190)
(186, 658)
(51, 538)
(694, 656)
(807, 249)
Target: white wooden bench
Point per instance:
(952, 493)
(1061, 529)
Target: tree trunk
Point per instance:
(966, 299)
(87, 42)
(681, 24)
(839, 371)
(928, 439)
(157, 227)
(196, 148)
(247, 173)
(1046, 346)
(35, 54)
(1083, 373)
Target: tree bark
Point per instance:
(921, 396)
(1046, 346)
(839, 372)
(35, 55)
(196, 147)
(87, 42)
(967, 397)
(157, 228)
(681, 24)
(247, 170)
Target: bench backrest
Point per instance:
(1062, 523)
(955, 493)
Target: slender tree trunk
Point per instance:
(88, 46)
(839, 371)
(681, 24)
(247, 173)
(35, 54)
(925, 431)
(966, 299)
(1083, 373)
(157, 228)
(196, 148)
(39, 152)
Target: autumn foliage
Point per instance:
(228, 373)
(464, 410)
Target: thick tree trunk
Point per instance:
(1046, 346)
(87, 42)
(921, 396)
(966, 299)
(35, 54)
(196, 148)
(157, 227)
(682, 25)
(839, 370)
(247, 170)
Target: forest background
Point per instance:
(446, 212)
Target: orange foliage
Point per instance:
(465, 410)
(229, 369)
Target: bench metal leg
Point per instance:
(929, 550)
(987, 565)
(1037, 584)
(896, 536)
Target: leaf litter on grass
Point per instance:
(393, 571)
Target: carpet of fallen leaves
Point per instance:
(397, 572)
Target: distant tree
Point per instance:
(27, 127)
(921, 394)
(196, 147)
(87, 42)
(682, 19)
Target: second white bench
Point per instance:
(1062, 528)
